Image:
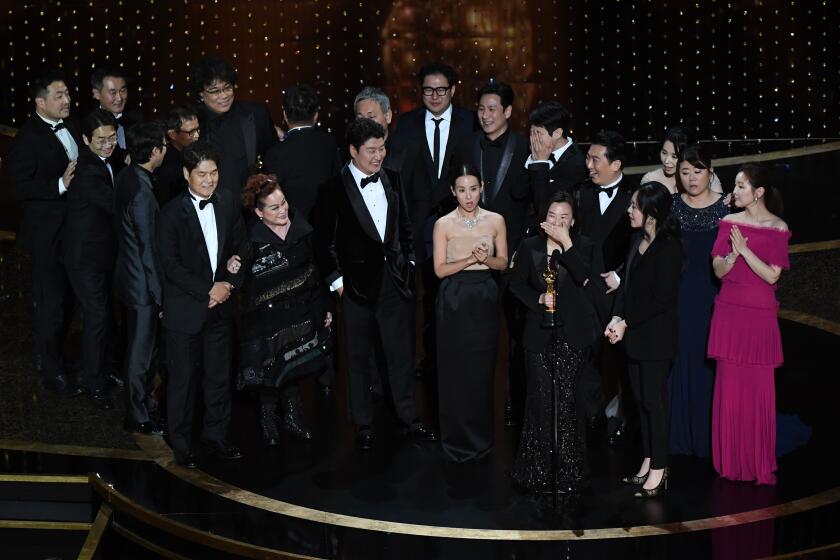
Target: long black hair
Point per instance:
(759, 176)
(653, 199)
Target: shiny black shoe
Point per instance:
(421, 432)
(114, 379)
(100, 399)
(148, 428)
(223, 450)
(293, 419)
(616, 431)
(635, 479)
(61, 386)
(186, 459)
(654, 492)
(365, 438)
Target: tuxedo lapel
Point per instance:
(632, 254)
(427, 151)
(194, 227)
(616, 211)
(51, 141)
(249, 134)
(504, 165)
(358, 205)
(393, 206)
(221, 227)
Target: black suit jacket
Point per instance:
(89, 240)
(647, 299)
(187, 273)
(36, 160)
(128, 119)
(575, 309)
(170, 180)
(242, 135)
(137, 274)
(566, 174)
(511, 196)
(404, 158)
(611, 231)
(412, 127)
(346, 242)
(306, 158)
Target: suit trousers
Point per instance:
(141, 324)
(649, 381)
(192, 359)
(391, 317)
(54, 305)
(93, 291)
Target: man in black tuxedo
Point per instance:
(602, 216)
(362, 243)
(556, 163)
(197, 234)
(137, 274)
(110, 90)
(241, 131)
(89, 247)
(41, 166)
(440, 129)
(182, 130)
(307, 156)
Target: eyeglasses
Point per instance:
(102, 142)
(217, 91)
(194, 133)
(440, 91)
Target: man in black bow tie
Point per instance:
(197, 313)
(602, 216)
(41, 167)
(363, 247)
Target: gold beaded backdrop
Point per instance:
(730, 68)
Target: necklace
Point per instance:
(470, 223)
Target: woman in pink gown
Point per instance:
(748, 256)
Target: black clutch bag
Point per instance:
(275, 361)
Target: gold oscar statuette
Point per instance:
(549, 275)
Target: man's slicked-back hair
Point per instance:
(551, 115)
(199, 151)
(495, 87)
(300, 102)
(208, 70)
(39, 85)
(614, 143)
(360, 131)
(142, 138)
(438, 67)
(101, 72)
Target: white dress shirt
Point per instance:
(603, 198)
(69, 144)
(444, 134)
(207, 219)
(557, 153)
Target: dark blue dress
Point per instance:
(692, 379)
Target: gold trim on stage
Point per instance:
(45, 525)
(97, 531)
(810, 320)
(147, 544)
(814, 247)
(827, 551)
(44, 478)
(79, 450)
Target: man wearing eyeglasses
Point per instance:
(182, 129)
(241, 131)
(110, 90)
(440, 128)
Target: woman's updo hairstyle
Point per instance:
(257, 188)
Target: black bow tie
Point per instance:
(610, 191)
(372, 179)
(57, 127)
(552, 159)
(212, 200)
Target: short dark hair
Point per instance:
(560, 196)
(681, 138)
(551, 115)
(613, 142)
(438, 68)
(654, 200)
(179, 114)
(39, 85)
(495, 87)
(95, 119)
(300, 102)
(208, 70)
(101, 72)
(361, 130)
(142, 138)
(697, 156)
(199, 151)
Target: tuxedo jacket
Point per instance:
(306, 158)
(129, 118)
(169, 176)
(36, 160)
(566, 174)
(187, 273)
(346, 242)
(404, 157)
(89, 240)
(574, 288)
(611, 231)
(647, 299)
(242, 135)
(510, 195)
(137, 273)
(412, 127)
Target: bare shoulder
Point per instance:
(777, 223)
(495, 218)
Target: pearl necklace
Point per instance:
(470, 223)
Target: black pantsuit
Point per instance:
(649, 381)
(141, 327)
(93, 291)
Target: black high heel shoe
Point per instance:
(636, 479)
(653, 492)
